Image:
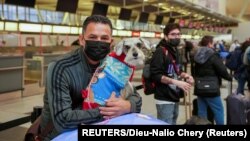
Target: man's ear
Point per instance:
(111, 43)
(81, 40)
(166, 37)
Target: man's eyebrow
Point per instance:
(92, 35)
(106, 36)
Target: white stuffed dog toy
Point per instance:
(130, 51)
(132, 48)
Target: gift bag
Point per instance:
(111, 76)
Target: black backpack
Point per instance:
(234, 59)
(147, 82)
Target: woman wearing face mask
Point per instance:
(67, 77)
(165, 71)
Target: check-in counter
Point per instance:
(11, 73)
(45, 60)
(35, 73)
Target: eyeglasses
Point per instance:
(175, 34)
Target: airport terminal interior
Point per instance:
(33, 33)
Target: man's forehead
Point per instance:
(175, 31)
(98, 27)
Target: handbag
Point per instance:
(34, 132)
(207, 85)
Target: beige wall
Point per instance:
(214, 5)
(242, 32)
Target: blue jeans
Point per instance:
(216, 106)
(168, 112)
(241, 79)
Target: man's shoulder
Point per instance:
(159, 49)
(68, 59)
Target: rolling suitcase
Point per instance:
(238, 107)
(248, 117)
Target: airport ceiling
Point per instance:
(178, 9)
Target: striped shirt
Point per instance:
(65, 80)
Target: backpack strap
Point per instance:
(165, 51)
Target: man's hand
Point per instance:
(190, 80)
(183, 85)
(115, 107)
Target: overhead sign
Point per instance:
(135, 33)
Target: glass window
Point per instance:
(21, 13)
(49, 17)
(33, 15)
(12, 15)
(72, 19)
(82, 19)
(128, 25)
(1, 11)
(27, 14)
(78, 20)
(43, 15)
(5, 11)
(58, 17)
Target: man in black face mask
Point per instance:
(67, 77)
(165, 71)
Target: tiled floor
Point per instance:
(20, 107)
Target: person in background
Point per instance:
(246, 65)
(234, 45)
(181, 49)
(2, 43)
(165, 70)
(208, 64)
(241, 73)
(188, 47)
(62, 43)
(67, 77)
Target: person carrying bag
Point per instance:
(209, 68)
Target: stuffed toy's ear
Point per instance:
(145, 42)
(119, 48)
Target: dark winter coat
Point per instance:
(208, 63)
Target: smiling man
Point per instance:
(67, 77)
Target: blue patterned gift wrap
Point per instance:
(113, 78)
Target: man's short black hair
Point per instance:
(169, 27)
(96, 19)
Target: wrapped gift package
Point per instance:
(111, 76)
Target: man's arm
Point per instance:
(119, 106)
(60, 102)
(157, 72)
(157, 65)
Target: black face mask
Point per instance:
(96, 50)
(174, 42)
